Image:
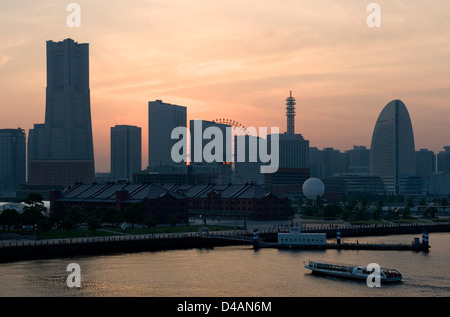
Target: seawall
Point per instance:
(44, 249)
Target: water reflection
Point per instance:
(231, 271)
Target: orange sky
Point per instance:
(238, 59)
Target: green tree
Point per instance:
(9, 218)
(93, 223)
(410, 203)
(98, 213)
(351, 204)
(77, 215)
(406, 213)
(150, 222)
(44, 224)
(365, 202)
(380, 203)
(362, 213)
(59, 212)
(113, 215)
(444, 204)
(331, 211)
(430, 212)
(173, 221)
(34, 210)
(67, 224)
(134, 214)
(346, 214)
(390, 214)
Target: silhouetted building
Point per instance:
(12, 158)
(126, 152)
(166, 202)
(157, 202)
(163, 118)
(247, 162)
(443, 160)
(326, 162)
(248, 201)
(392, 155)
(287, 181)
(65, 145)
(358, 160)
(185, 174)
(35, 145)
(425, 162)
(362, 183)
(316, 162)
(335, 188)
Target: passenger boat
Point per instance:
(353, 271)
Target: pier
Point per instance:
(348, 246)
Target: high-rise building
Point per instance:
(293, 150)
(326, 162)
(425, 162)
(443, 160)
(333, 161)
(358, 160)
(316, 162)
(392, 154)
(163, 118)
(34, 146)
(66, 151)
(126, 152)
(209, 138)
(247, 163)
(12, 158)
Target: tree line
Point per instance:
(34, 215)
(354, 208)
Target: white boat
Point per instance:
(353, 271)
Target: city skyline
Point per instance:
(340, 71)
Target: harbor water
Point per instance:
(235, 271)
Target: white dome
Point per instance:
(313, 187)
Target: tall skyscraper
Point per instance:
(290, 114)
(392, 154)
(67, 145)
(126, 152)
(162, 119)
(12, 158)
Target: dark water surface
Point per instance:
(232, 272)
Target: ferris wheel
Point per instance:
(239, 129)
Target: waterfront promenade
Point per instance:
(22, 249)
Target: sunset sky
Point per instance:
(238, 59)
